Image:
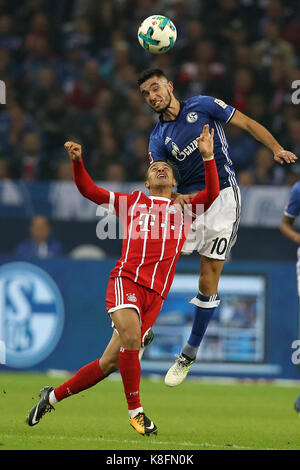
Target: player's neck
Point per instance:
(161, 192)
(172, 111)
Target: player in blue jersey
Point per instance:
(291, 212)
(174, 138)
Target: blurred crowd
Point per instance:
(71, 66)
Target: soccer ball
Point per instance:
(157, 34)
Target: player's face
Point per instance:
(160, 174)
(157, 93)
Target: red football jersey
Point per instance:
(153, 238)
(154, 229)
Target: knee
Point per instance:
(131, 339)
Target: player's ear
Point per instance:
(171, 86)
(147, 184)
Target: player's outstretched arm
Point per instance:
(212, 185)
(261, 134)
(83, 181)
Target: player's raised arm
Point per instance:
(206, 143)
(261, 134)
(74, 151)
(212, 185)
(83, 181)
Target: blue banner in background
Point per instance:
(56, 200)
(60, 200)
(83, 328)
(236, 332)
(52, 316)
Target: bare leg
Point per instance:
(109, 361)
(210, 272)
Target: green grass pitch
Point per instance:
(195, 416)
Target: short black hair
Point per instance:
(149, 73)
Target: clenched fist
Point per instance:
(74, 151)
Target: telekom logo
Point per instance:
(145, 220)
(149, 223)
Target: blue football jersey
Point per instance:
(292, 208)
(176, 141)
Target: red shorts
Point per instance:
(122, 292)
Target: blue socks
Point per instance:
(204, 310)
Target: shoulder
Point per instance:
(215, 108)
(296, 189)
(157, 143)
(212, 101)
(199, 99)
(156, 136)
(156, 131)
(209, 101)
(205, 103)
(138, 196)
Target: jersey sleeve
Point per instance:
(212, 186)
(119, 204)
(156, 149)
(218, 109)
(112, 201)
(292, 208)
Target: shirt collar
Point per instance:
(182, 105)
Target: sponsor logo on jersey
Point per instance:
(31, 314)
(181, 155)
(175, 149)
(131, 297)
(192, 117)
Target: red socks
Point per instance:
(86, 377)
(91, 374)
(130, 370)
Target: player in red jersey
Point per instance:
(155, 231)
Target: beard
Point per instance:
(163, 110)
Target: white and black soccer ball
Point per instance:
(157, 34)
